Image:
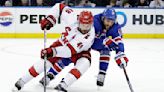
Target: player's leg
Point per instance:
(32, 72)
(57, 67)
(103, 66)
(36, 69)
(80, 68)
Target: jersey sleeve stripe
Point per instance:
(61, 7)
(56, 44)
(51, 19)
(105, 58)
(118, 39)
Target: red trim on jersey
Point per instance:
(33, 71)
(109, 42)
(67, 29)
(51, 17)
(76, 73)
(117, 39)
(56, 44)
(61, 6)
(54, 59)
(65, 34)
(57, 68)
(85, 54)
(105, 58)
(65, 40)
(88, 56)
(73, 51)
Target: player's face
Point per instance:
(85, 28)
(108, 23)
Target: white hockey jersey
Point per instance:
(73, 41)
(63, 13)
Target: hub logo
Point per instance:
(124, 18)
(6, 18)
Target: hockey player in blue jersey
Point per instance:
(106, 26)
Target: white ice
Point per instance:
(145, 68)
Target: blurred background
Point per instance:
(87, 3)
(142, 20)
(138, 18)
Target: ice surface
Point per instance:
(145, 68)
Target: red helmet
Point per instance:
(85, 21)
(86, 17)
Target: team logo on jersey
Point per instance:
(80, 45)
(6, 18)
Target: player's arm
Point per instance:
(69, 48)
(117, 42)
(117, 38)
(120, 57)
(52, 16)
(65, 51)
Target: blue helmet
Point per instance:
(109, 13)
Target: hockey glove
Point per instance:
(48, 22)
(110, 43)
(48, 52)
(121, 59)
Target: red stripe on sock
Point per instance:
(76, 73)
(57, 68)
(33, 71)
(105, 58)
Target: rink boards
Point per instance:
(23, 22)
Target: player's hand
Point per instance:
(48, 23)
(48, 52)
(121, 59)
(110, 43)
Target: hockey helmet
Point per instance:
(85, 20)
(109, 13)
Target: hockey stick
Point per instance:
(45, 58)
(128, 81)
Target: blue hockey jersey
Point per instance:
(114, 32)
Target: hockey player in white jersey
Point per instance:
(106, 26)
(73, 46)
